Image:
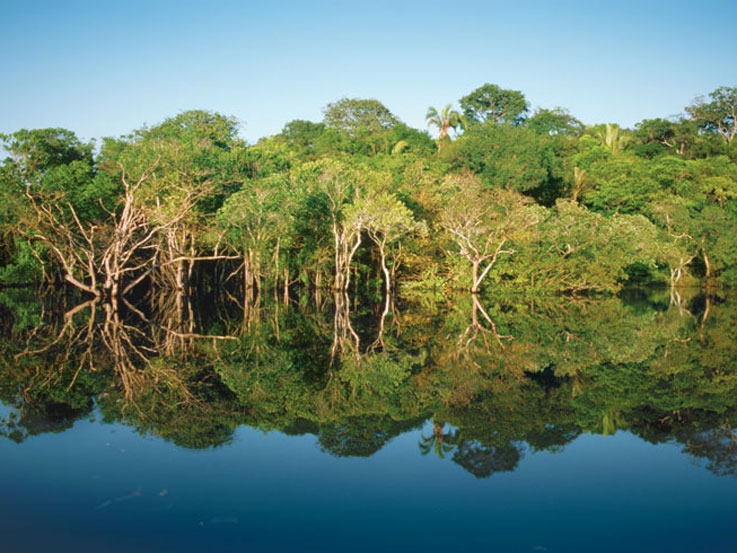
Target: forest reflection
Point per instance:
(495, 377)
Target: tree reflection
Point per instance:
(439, 441)
(484, 460)
(495, 377)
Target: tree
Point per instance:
(47, 185)
(580, 250)
(33, 152)
(354, 115)
(386, 221)
(192, 161)
(621, 184)
(445, 120)
(141, 212)
(106, 250)
(662, 135)
(511, 157)
(489, 102)
(579, 182)
(256, 220)
(303, 135)
(554, 122)
(336, 186)
(199, 127)
(482, 222)
(718, 116)
(439, 442)
(610, 135)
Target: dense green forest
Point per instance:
(240, 271)
(504, 199)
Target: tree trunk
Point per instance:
(707, 265)
(387, 276)
(475, 285)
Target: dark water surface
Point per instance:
(599, 425)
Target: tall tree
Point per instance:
(490, 102)
(256, 222)
(444, 121)
(657, 136)
(611, 136)
(483, 223)
(33, 152)
(511, 157)
(50, 170)
(553, 122)
(386, 221)
(719, 115)
(353, 115)
(331, 187)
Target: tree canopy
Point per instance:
(362, 198)
(490, 102)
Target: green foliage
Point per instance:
(654, 137)
(279, 203)
(718, 116)
(22, 265)
(545, 221)
(509, 157)
(53, 167)
(590, 151)
(489, 102)
(33, 152)
(611, 136)
(554, 122)
(303, 136)
(199, 128)
(428, 286)
(354, 116)
(445, 120)
(622, 184)
(580, 250)
(377, 374)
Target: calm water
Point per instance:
(571, 426)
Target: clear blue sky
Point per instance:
(103, 68)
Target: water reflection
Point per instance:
(496, 377)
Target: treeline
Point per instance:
(504, 198)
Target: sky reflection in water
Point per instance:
(103, 487)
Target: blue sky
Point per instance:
(104, 68)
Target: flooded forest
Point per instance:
(518, 288)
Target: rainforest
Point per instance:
(517, 201)
(517, 317)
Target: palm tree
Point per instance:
(612, 139)
(579, 181)
(445, 120)
(440, 442)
